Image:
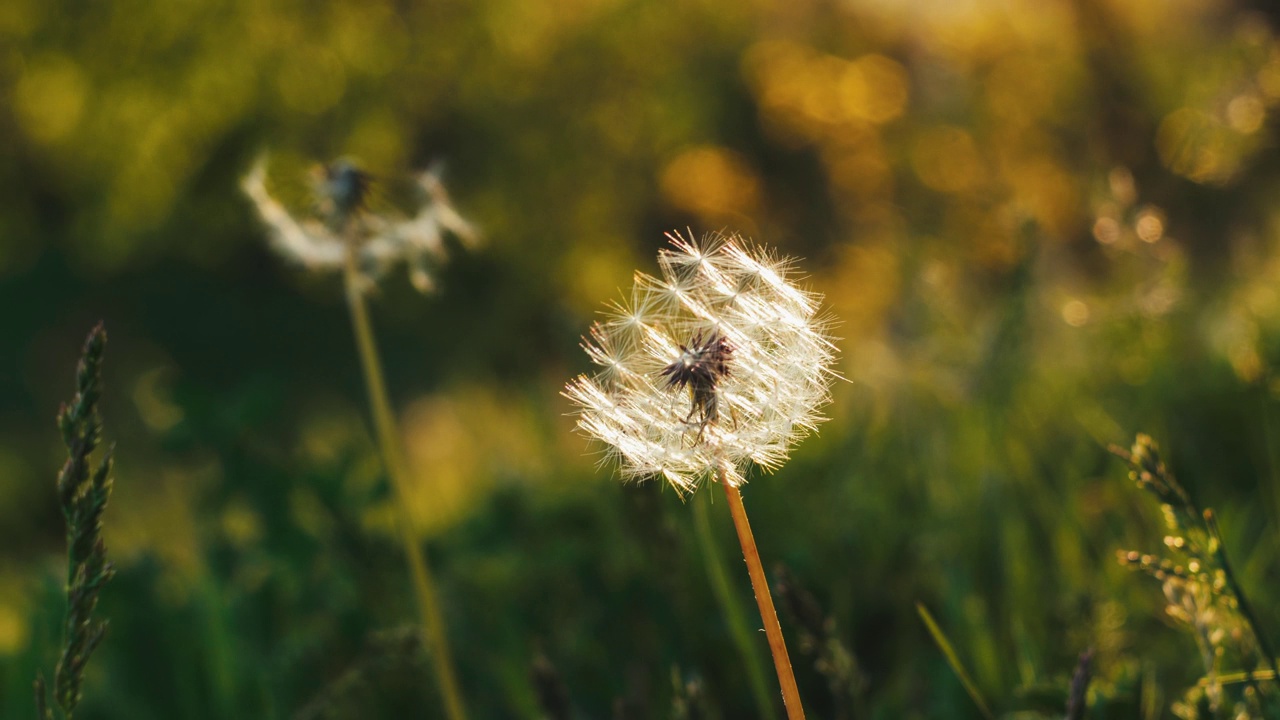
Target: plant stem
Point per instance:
(1211, 522)
(772, 630)
(433, 630)
(739, 630)
(953, 659)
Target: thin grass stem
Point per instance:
(1236, 678)
(772, 630)
(1211, 521)
(953, 659)
(734, 617)
(433, 629)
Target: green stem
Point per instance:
(733, 615)
(772, 630)
(953, 659)
(1211, 521)
(433, 629)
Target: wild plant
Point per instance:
(83, 491)
(821, 642)
(344, 236)
(1204, 595)
(720, 364)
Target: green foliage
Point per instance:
(348, 695)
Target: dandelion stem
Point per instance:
(772, 630)
(392, 456)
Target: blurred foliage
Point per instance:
(1042, 225)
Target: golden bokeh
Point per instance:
(459, 445)
(712, 182)
(50, 97)
(946, 159)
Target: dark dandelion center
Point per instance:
(345, 186)
(700, 367)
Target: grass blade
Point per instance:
(954, 661)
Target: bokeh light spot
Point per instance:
(710, 181)
(153, 398)
(1149, 226)
(1075, 313)
(1106, 230)
(241, 524)
(50, 98)
(460, 445)
(1123, 188)
(1245, 114)
(946, 159)
(13, 630)
(1268, 77)
(1190, 144)
(873, 88)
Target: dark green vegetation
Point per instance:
(1043, 227)
(84, 487)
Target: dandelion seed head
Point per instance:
(342, 224)
(342, 187)
(718, 363)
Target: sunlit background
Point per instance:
(1041, 226)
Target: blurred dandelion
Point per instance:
(719, 364)
(341, 221)
(343, 235)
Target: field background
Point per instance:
(1043, 227)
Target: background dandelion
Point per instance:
(367, 243)
(342, 222)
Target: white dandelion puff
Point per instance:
(720, 363)
(342, 224)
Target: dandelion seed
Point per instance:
(720, 363)
(342, 224)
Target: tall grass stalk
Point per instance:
(739, 630)
(83, 492)
(1246, 609)
(953, 659)
(772, 630)
(433, 628)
